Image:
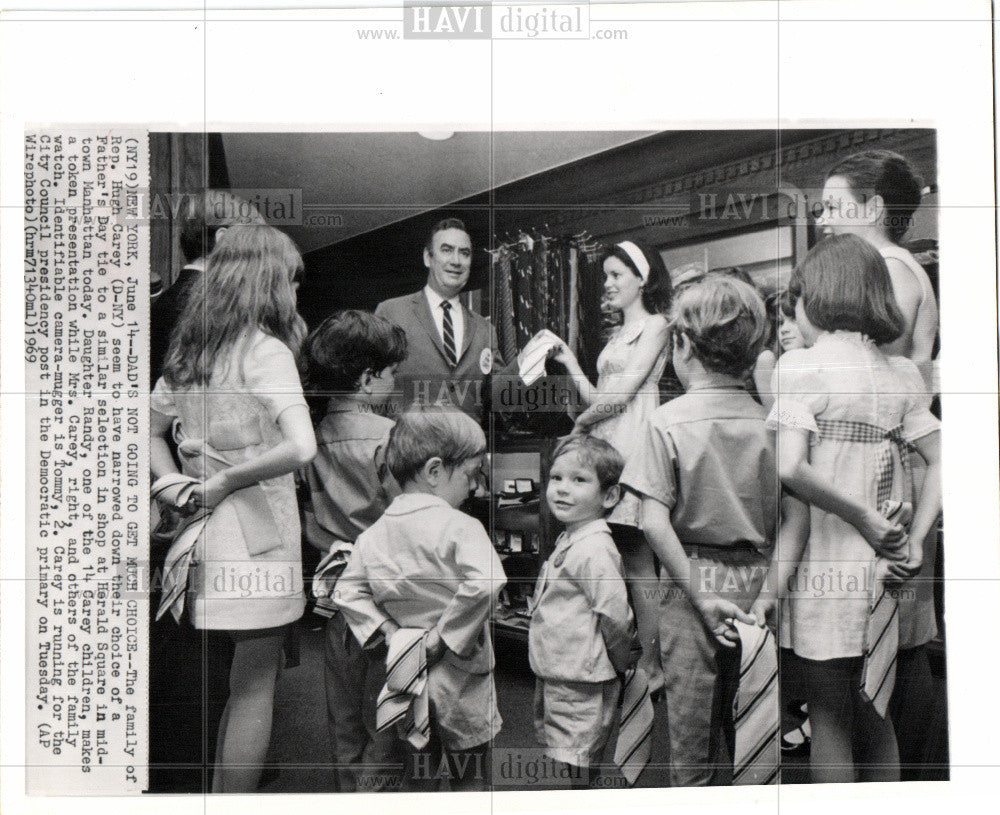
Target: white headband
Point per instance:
(637, 257)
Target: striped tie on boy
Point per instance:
(404, 701)
(756, 714)
(635, 731)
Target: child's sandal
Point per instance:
(796, 742)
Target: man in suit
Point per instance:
(452, 350)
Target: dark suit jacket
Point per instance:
(425, 376)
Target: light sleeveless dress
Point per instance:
(622, 430)
(247, 567)
(843, 377)
(917, 620)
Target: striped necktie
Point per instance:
(635, 731)
(448, 332)
(175, 489)
(404, 701)
(878, 672)
(756, 714)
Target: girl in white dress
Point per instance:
(230, 395)
(629, 368)
(873, 194)
(845, 412)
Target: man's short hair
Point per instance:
(441, 226)
(726, 322)
(202, 214)
(424, 432)
(596, 453)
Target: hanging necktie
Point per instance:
(404, 701)
(328, 571)
(448, 334)
(504, 305)
(176, 489)
(878, 672)
(756, 714)
(635, 730)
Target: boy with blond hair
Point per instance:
(710, 494)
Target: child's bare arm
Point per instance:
(161, 461)
(792, 535)
(802, 478)
(715, 610)
(296, 449)
(928, 507)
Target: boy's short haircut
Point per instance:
(424, 432)
(347, 344)
(606, 461)
(726, 322)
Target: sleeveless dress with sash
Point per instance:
(917, 619)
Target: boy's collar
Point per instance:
(346, 405)
(593, 527)
(410, 501)
(711, 384)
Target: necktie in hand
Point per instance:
(404, 701)
(878, 673)
(176, 489)
(756, 713)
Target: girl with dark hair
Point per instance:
(629, 368)
(846, 416)
(785, 337)
(230, 394)
(873, 194)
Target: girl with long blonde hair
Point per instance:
(231, 398)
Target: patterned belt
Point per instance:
(843, 430)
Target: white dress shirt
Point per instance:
(435, 300)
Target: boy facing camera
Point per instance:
(582, 633)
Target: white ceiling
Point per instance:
(373, 179)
